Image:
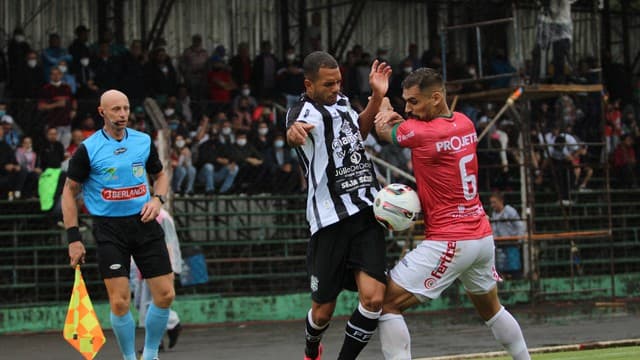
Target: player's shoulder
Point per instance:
(138, 135)
(459, 117)
(303, 110)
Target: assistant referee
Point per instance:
(110, 168)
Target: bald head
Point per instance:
(114, 108)
(111, 96)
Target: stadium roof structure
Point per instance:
(530, 92)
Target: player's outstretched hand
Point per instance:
(150, 210)
(379, 78)
(388, 118)
(76, 253)
(297, 133)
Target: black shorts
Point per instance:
(120, 238)
(336, 251)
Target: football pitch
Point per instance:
(618, 353)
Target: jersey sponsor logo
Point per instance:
(127, 193)
(138, 169)
(306, 113)
(430, 283)
(456, 143)
(446, 258)
(120, 150)
(110, 174)
(314, 283)
(407, 136)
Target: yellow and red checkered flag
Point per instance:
(81, 328)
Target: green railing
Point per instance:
(256, 245)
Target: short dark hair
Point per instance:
(316, 60)
(424, 78)
(498, 195)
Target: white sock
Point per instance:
(394, 337)
(508, 333)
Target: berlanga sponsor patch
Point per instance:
(138, 169)
(124, 193)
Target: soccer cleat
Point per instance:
(319, 357)
(173, 335)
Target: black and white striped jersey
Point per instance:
(340, 175)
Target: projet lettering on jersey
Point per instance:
(447, 257)
(456, 143)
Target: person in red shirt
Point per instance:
(624, 163)
(458, 241)
(220, 85)
(59, 105)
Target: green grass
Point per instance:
(619, 353)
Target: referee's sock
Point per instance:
(313, 336)
(155, 325)
(358, 332)
(125, 330)
(508, 333)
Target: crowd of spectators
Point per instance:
(226, 116)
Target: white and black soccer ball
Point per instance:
(396, 207)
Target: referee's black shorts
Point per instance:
(338, 250)
(120, 238)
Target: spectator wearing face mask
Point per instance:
(261, 137)
(184, 173)
(59, 106)
(162, 78)
(79, 48)
(52, 55)
(215, 166)
(67, 77)
(226, 137)
(242, 119)
(26, 80)
(282, 167)
(290, 77)
(12, 132)
(245, 92)
(252, 172)
(16, 53)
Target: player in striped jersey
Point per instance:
(347, 248)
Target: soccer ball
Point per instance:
(396, 207)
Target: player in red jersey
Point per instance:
(458, 241)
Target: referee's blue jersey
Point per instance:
(114, 173)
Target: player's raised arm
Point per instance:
(379, 81)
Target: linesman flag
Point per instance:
(81, 327)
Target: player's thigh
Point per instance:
(397, 299)
(429, 269)
(367, 253)
(481, 275)
(150, 250)
(326, 265)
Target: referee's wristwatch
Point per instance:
(161, 198)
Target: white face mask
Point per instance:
(63, 68)
(20, 38)
(56, 83)
(245, 92)
(278, 144)
(291, 57)
(180, 143)
(32, 63)
(241, 142)
(169, 111)
(84, 61)
(164, 69)
(263, 131)
(226, 130)
(408, 69)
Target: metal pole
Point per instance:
(516, 94)
(443, 50)
(479, 51)
(401, 172)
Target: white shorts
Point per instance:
(433, 266)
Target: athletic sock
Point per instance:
(508, 333)
(125, 330)
(155, 325)
(358, 332)
(313, 334)
(394, 337)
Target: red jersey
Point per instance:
(443, 152)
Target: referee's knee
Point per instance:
(165, 297)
